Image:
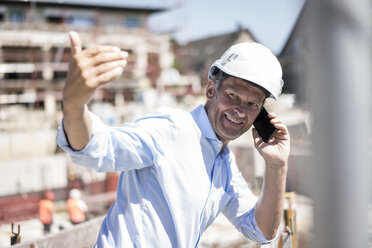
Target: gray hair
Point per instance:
(218, 77)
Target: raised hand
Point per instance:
(89, 69)
(276, 151)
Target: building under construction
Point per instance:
(34, 57)
(35, 49)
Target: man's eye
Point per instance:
(232, 95)
(253, 105)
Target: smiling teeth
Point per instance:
(233, 120)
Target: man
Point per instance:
(46, 209)
(76, 207)
(178, 173)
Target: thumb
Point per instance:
(75, 42)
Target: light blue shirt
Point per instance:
(173, 183)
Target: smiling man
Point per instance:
(177, 172)
(233, 108)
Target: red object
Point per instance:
(17, 208)
(112, 179)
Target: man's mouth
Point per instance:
(232, 120)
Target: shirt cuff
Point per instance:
(62, 141)
(253, 231)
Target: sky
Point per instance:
(269, 21)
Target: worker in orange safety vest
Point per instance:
(46, 208)
(76, 207)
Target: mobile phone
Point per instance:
(265, 129)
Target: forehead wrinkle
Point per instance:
(233, 88)
(238, 86)
(233, 84)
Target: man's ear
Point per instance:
(211, 90)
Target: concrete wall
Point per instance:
(20, 176)
(32, 143)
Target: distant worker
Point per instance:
(46, 209)
(76, 207)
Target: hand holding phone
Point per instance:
(264, 127)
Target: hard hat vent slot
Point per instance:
(231, 57)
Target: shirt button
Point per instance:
(254, 232)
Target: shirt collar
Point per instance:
(201, 118)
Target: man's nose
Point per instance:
(241, 112)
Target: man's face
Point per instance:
(233, 108)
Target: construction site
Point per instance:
(34, 62)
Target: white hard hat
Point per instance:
(252, 62)
(75, 193)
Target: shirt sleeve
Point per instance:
(240, 210)
(112, 149)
